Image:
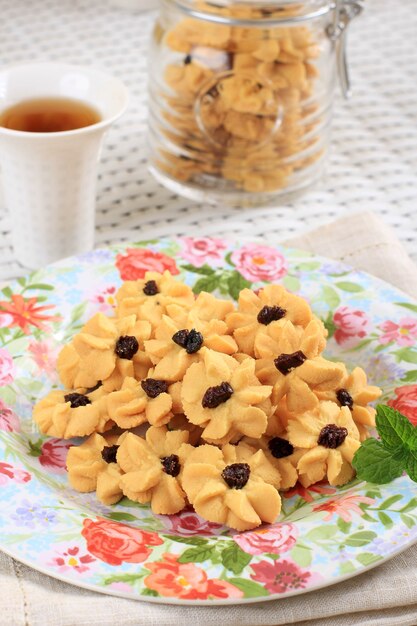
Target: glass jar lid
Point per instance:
(243, 12)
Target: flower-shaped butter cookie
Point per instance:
(225, 398)
(285, 337)
(355, 393)
(205, 308)
(226, 491)
(190, 33)
(67, 414)
(153, 467)
(105, 350)
(153, 296)
(92, 467)
(139, 402)
(174, 348)
(280, 453)
(259, 312)
(298, 371)
(180, 422)
(331, 437)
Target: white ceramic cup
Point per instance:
(49, 179)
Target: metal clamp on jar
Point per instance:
(241, 96)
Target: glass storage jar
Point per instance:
(241, 93)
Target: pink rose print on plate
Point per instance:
(406, 402)
(404, 333)
(137, 261)
(281, 576)
(189, 523)
(115, 543)
(256, 262)
(186, 581)
(53, 454)
(8, 419)
(104, 300)
(9, 472)
(274, 539)
(45, 354)
(72, 559)
(7, 370)
(201, 250)
(351, 325)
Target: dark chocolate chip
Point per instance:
(344, 397)
(332, 436)
(77, 399)
(150, 288)
(190, 340)
(215, 396)
(285, 363)
(280, 448)
(171, 465)
(236, 475)
(187, 59)
(126, 347)
(153, 388)
(108, 453)
(270, 314)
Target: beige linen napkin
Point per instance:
(385, 596)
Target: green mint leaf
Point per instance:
(375, 464)
(411, 465)
(394, 429)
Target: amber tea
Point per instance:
(49, 115)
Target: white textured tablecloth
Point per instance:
(373, 167)
(386, 595)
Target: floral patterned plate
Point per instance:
(323, 536)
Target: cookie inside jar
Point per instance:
(240, 102)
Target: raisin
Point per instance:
(332, 436)
(108, 454)
(153, 388)
(150, 288)
(285, 363)
(187, 59)
(126, 347)
(344, 397)
(171, 465)
(270, 314)
(280, 448)
(96, 386)
(190, 340)
(77, 399)
(194, 341)
(215, 396)
(180, 338)
(236, 475)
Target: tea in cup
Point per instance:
(52, 120)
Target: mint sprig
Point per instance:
(380, 462)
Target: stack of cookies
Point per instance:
(198, 400)
(240, 105)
